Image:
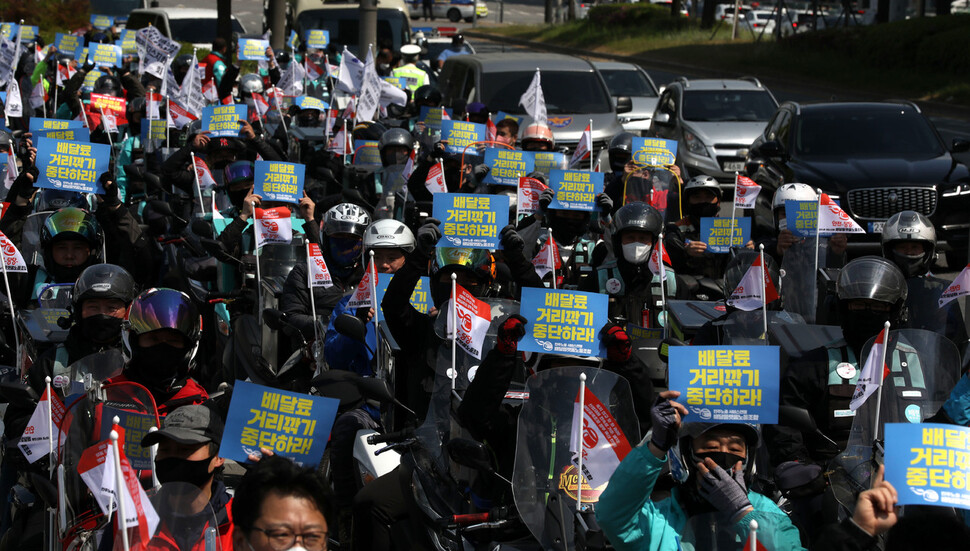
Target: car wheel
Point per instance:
(454, 15)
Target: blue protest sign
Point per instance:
(575, 189)
(801, 217)
(68, 44)
(506, 167)
(104, 55)
(929, 463)
(400, 82)
(502, 115)
(72, 134)
(28, 33)
(291, 41)
(547, 161)
(308, 102)
(366, 154)
(222, 121)
(472, 221)
(727, 384)
(716, 232)
(153, 130)
(38, 124)
(421, 296)
(460, 136)
(70, 165)
(317, 38)
(431, 116)
(279, 181)
(92, 76)
(8, 30)
(654, 151)
(101, 22)
(252, 49)
(136, 426)
(294, 425)
(128, 45)
(637, 332)
(563, 322)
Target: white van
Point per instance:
(342, 20)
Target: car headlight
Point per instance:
(962, 189)
(694, 144)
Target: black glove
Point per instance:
(546, 197)
(110, 196)
(510, 333)
(725, 491)
(428, 236)
(23, 186)
(479, 172)
(512, 242)
(663, 419)
(604, 204)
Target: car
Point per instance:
(713, 122)
(765, 22)
(874, 159)
(182, 24)
(574, 91)
(453, 10)
(342, 19)
(629, 80)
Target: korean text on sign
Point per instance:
(432, 116)
(727, 384)
(223, 120)
(136, 427)
(279, 181)
(70, 165)
(37, 124)
(471, 220)
(566, 322)
(252, 49)
(575, 189)
(654, 151)
(506, 167)
(317, 38)
(930, 463)
(461, 136)
(801, 217)
(291, 424)
(716, 232)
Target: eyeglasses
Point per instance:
(282, 539)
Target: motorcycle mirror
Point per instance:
(44, 488)
(153, 181)
(162, 207)
(274, 318)
(375, 389)
(796, 418)
(217, 249)
(663, 349)
(15, 392)
(351, 326)
(470, 453)
(202, 228)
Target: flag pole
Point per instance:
(591, 155)
(553, 254)
(734, 210)
(13, 314)
(454, 332)
(119, 488)
(764, 291)
(106, 132)
(753, 527)
(882, 370)
(818, 220)
(313, 302)
(376, 307)
(50, 512)
(198, 186)
(259, 278)
(582, 442)
(152, 451)
(663, 277)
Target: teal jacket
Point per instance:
(632, 521)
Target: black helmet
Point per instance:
(394, 137)
(621, 150)
(738, 266)
(872, 278)
(161, 309)
(427, 95)
(103, 281)
(137, 105)
(70, 224)
(457, 39)
(182, 63)
(108, 85)
(477, 262)
(635, 216)
(912, 227)
(282, 58)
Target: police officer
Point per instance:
(414, 77)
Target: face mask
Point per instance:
(702, 210)
(911, 265)
(65, 274)
(860, 326)
(782, 223)
(101, 328)
(636, 253)
(345, 252)
(158, 366)
(725, 460)
(567, 232)
(237, 197)
(174, 469)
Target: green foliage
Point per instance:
(49, 15)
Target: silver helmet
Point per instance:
(345, 218)
(912, 227)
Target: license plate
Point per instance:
(876, 227)
(734, 167)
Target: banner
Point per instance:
(128, 43)
(575, 189)
(319, 273)
(102, 22)
(369, 101)
(308, 102)
(292, 424)
(472, 221)
(110, 104)
(473, 317)
(603, 442)
(104, 55)
(506, 167)
(431, 117)
(929, 463)
(69, 44)
(460, 135)
(727, 383)
(252, 49)
(716, 232)
(279, 181)
(527, 196)
(38, 124)
(273, 226)
(654, 152)
(563, 322)
(223, 120)
(155, 51)
(317, 39)
(70, 134)
(71, 166)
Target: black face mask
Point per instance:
(702, 210)
(101, 328)
(911, 265)
(725, 460)
(158, 366)
(174, 469)
(237, 197)
(860, 326)
(63, 274)
(567, 232)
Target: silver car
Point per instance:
(714, 123)
(627, 79)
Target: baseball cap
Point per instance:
(193, 424)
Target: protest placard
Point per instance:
(111, 105)
(801, 217)
(279, 181)
(725, 383)
(317, 38)
(460, 136)
(308, 102)
(70, 165)
(547, 161)
(153, 130)
(136, 426)
(716, 232)
(252, 49)
(929, 463)
(471, 220)
(69, 44)
(575, 189)
(507, 166)
(104, 55)
(654, 151)
(367, 154)
(563, 322)
(101, 22)
(71, 134)
(421, 296)
(431, 117)
(127, 42)
(223, 120)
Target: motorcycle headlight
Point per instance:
(694, 144)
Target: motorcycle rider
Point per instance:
(718, 459)
(538, 137)
(620, 154)
(779, 244)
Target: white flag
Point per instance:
(362, 294)
(179, 116)
(155, 51)
(203, 173)
(435, 182)
(832, 219)
(273, 226)
(351, 73)
(38, 96)
(12, 258)
(533, 101)
(584, 148)
(14, 106)
(872, 373)
(190, 94)
(658, 259)
(747, 295)
(392, 95)
(319, 273)
(959, 288)
(548, 257)
(370, 91)
(291, 81)
(12, 172)
(36, 441)
(745, 192)
(408, 167)
(474, 317)
(603, 442)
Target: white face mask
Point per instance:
(636, 252)
(782, 223)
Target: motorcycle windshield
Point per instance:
(278, 260)
(650, 185)
(711, 532)
(186, 520)
(544, 480)
(799, 288)
(56, 296)
(748, 328)
(100, 365)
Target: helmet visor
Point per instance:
(238, 172)
(460, 256)
(164, 309)
(75, 221)
(871, 278)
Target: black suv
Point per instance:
(874, 159)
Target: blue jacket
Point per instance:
(345, 353)
(632, 521)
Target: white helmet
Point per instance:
(388, 234)
(793, 192)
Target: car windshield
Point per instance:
(627, 82)
(435, 49)
(344, 27)
(864, 132)
(728, 105)
(189, 30)
(564, 91)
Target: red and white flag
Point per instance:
(473, 316)
(659, 259)
(527, 196)
(153, 102)
(38, 95)
(603, 442)
(262, 106)
(747, 295)
(37, 438)
(745, 192)
(548, 257)
(435, 182)
(12, 259)
(832, 219)
(959, 288)
(444, 115)
(203, 173)
(340, 144)
(273, 226)
(313, 71)
(317, 268)
(408, 167)
(350, 112)
(491, 131)
(110, 123)
(180, 116)
(873, 374)
(209, 91)
(11, 173)
(64, 74)
(584, 148)
(363, 297)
